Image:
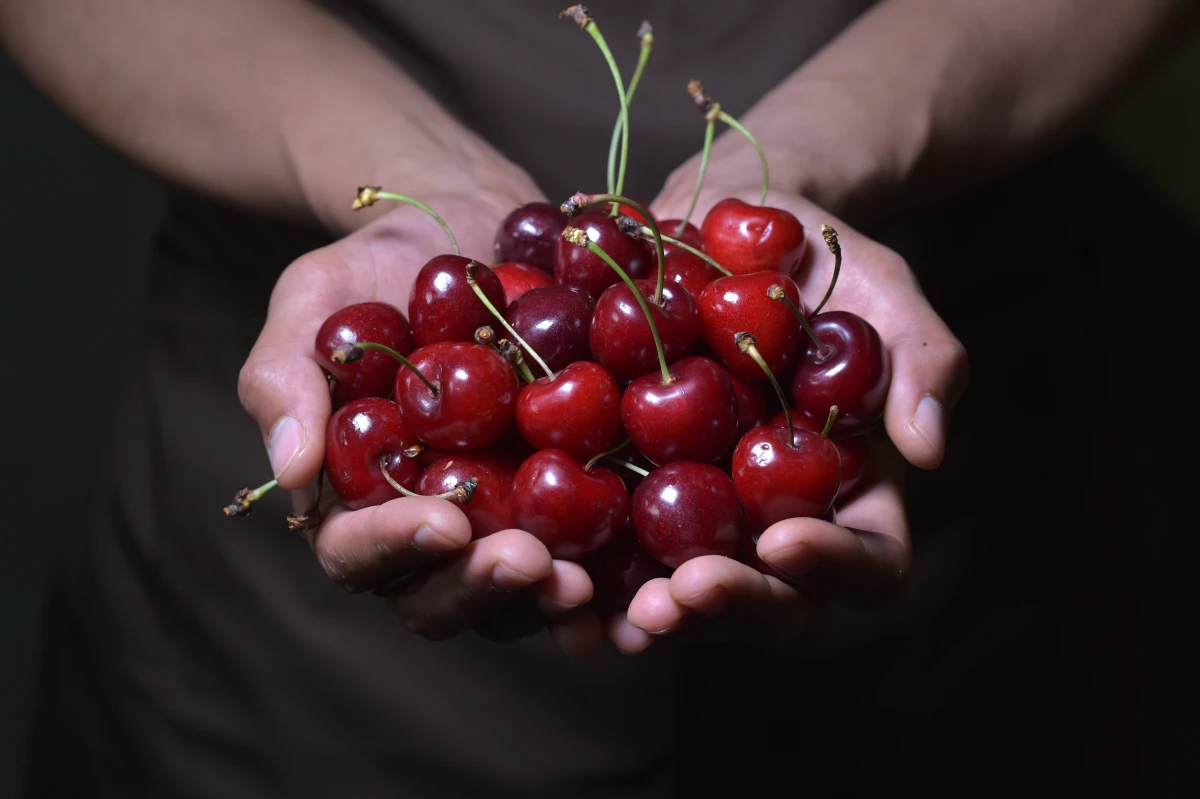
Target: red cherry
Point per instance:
(517, 278)
(528, 235)
(689, 271)
(576, 266)
(618, 570)
(579, 411)
(752, 405)
(474, 401)
(620, 336)
(555, 321)
(359, 434)
(685, 510)
(739, 304)
(778, 481)
(852, 449)
(852, 371)
(442, 306)
(629, 454)
(373, 373)
(692, 418)
(630, 211)
(489, 510)
(690, 234)
(570, 510)
(746, 238)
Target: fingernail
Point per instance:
(552, 607)
(287, 436)
(431, 542)
(794, 560)
(712, 600)
(508, 578)
(928, 421)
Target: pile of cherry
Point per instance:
(652, 435)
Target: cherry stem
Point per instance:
(243, 500)
(747, 344)
(349, 353)
(646, 34)
(587, 467)
(709, 127)
(831, 241)
(463, 492)
(579, 201)
(508, 351)
(368, 195)
(579, 14)
(580, 239)
(646, 233)
(777, 293)
(630, 467)
(471, 268)
(833, 415)
(762, 156)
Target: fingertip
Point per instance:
(567, 587)
(519, 557)
(654, 610)
(578, 634)
(628, 639)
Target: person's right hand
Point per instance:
(462, 584)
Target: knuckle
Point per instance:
(256, 375)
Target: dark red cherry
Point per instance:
(528, 235)
(746, 238)
(618, 570)
(852, 449)
(571, 511)
(689, 271)
(579, 411)
(692, 418)
(519, 278)
(620, 336)
(576, 266)
(630, 211)
(489, 510)
(776, 480)
(852, 371)
(752, 404)
(739, 304)
(359, 434)
(442, 306)
(685, 510)
(475, 397)
(554, 320)
(630, 454)
(690, 234)
(372, 374)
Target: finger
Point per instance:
(748, 601)
(568, 587)
(454, 596)
(579, 633)
(363, 549)
(628, 639)
(654, 610)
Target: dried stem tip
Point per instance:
(299, 522)
(703, 102)
(629, 226)
(578, 13)
(645, 32)
(510, 351)
(367, 195)
(465, 492)
(831, 239)
(485, 335)
(745, 341)
(413, 451)
(241, 505)
(574, 205)
(346, 353)
(776, 293)
(576, 236)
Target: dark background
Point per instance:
(75, 229)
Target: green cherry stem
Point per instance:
(243, 500)
(833, 415)
(777, 293)
(747, 344)
(587, 467)
(647, 233)
(831, 241)
(709, 127)
(712, 111)
(369, 195)
(646, 34)
(471, 268)
(579, 201)
(629, 466)
(580, 239)
(579, 14)
(349, 353)
(463, 492)
(508, 351)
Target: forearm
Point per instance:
(920, 98)
(269, 104)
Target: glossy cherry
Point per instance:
(692, 418)
(689, 271)
(359, 434)
(618, 570)
(572, 511)
(489, 510)
(579, 411)
(746, 238)
(555, 321)
(372, 374)
(576, 266)
(777, 479)
(517, 278)
(852, 449)
(620, 336)
(475, 398)
(690, 234)
(442, 306)
(851, 370)
(528, 235)
(685, 510)
(739, 304)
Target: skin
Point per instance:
(967, 90)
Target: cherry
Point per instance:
(372, 374)
(689, 271)
(575, 266)
(629, 456)
(739, 304)
(554, 320)
(620, 336)
(489, 510)
(359, 435)
(471, 402)
(850, 369)
(572, 511)
(685, 510)
(752, 405)
(618, 570)
(443, 307)
(630, 211)
(517, 278)
(579, 411)
(781, 475)
(748, 238)
(852, 449)
(693, 417)
(528, 235)
(689, 235)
